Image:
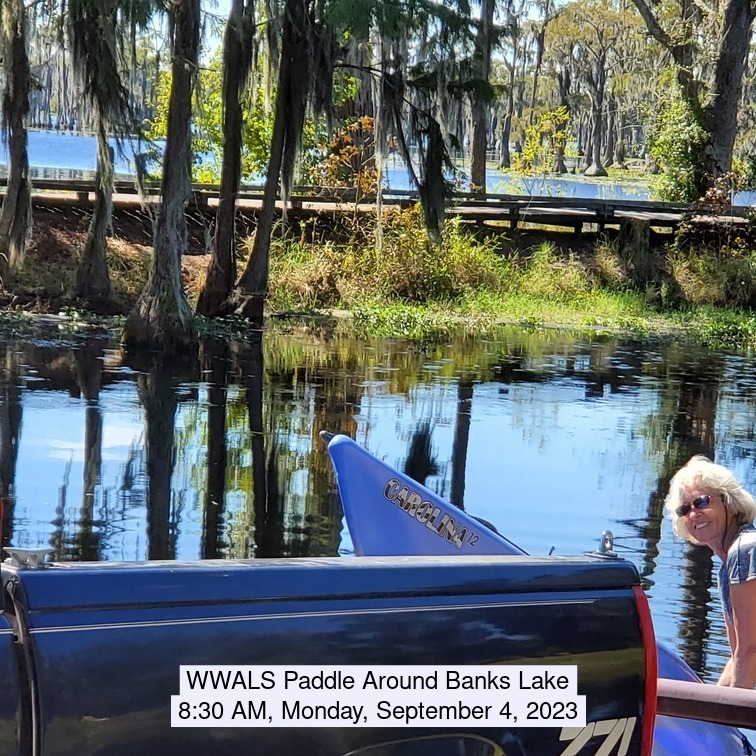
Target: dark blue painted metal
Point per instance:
(108, 640)
(10, 694)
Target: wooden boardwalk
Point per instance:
(502, 209)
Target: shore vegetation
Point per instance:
(410, 285)
(476, 278)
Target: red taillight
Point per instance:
(652, 672)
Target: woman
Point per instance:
(710, 508)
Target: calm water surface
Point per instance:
(552, 437)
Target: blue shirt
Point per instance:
(740, 565)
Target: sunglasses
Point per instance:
(700, 503)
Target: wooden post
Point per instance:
(514, 217)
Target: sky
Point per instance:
(220, 7)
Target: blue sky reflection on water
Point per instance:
(551, 467)
(567, 437)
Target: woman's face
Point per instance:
(706, 522)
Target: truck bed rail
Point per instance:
(710, 703)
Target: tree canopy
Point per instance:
(451, 86)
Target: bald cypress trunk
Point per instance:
(237, 54)
(92, 278)
(721, 106)
(482, 66)
(248, 298)
(161, 318)
(715, 106)
(506, 130)
(15, 216)
(596, 85)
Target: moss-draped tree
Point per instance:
(709, 46)
(161, 318)
(96, 29)
(294, 86)
(308, 60)
(15, 216)
(237, 64)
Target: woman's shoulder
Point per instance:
(741, 557)
(744, 540)
(747, 534)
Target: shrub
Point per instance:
(546, 275)
(677, 144)
(722, 276)
(408, 267)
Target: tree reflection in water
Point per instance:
(214, 357)
(267, 498)
(580, 433)
(10, 432)
(88, 360)
(689, 399)
(158, 393)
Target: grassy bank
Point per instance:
(475, 277)
(410, 287)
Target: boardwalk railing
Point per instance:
(510, 208)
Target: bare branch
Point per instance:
(653, 26)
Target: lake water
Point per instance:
(62, 155)
(550, 436)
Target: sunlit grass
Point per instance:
(411, 288)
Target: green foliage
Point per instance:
(677, 144)
(743, 172)
(627, 323)
(393, 20)
(407, 268)
(207, 134)
(544, 141)
(718, 328)
(401, 320)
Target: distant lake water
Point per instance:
(62, 155)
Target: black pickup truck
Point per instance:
(90, 654)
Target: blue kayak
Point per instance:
(423, 524)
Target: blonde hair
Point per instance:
(716, 478)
